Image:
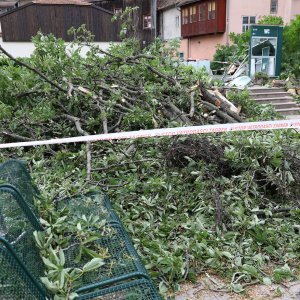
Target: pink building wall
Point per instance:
(203, 47)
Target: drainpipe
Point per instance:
(154, 15)
(227, 22)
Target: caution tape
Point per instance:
(265, 125)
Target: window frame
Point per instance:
(211, 10)
(177, 21)
(202, 12)
(118, 10)
(185, 16)
(193, 13)
(273, 4)
(147, 20)
(246, 26)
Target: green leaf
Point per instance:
(267, 281)
(48, 263)
(95, 263)
(237, 288)
(251, 271)
(227, 254)
(52, 286)
(90, 239)
(61, 257)
(79, 226)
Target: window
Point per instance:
(177, 21)
(181, 56)
(202, 12)
(274, 6)
(193, 17)
(185, 16)
(118, 11)
(211, 10)
(247, 21)
(147, 22)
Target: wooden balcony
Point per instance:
(203, 17)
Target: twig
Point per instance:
(20, 63)
(18, 238)
(250, 283)
(123, 163)
(110, 129)
(109, 186)
(170, 79)
(77, 123)
(88, 144)
(16, 136)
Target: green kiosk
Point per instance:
(265, 50)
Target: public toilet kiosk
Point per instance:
(265, 50)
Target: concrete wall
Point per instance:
(295, 8)
(287, 9)
(170, 29)
(24, 49)
(201, 47)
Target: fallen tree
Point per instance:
(226, 203)
(106, 91)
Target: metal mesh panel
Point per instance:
(18, 221)
(14, 172)
(14, 282)
(90, 203)
(141, 289)
(121, 260)
(17, 230)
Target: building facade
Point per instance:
(144, 17)
(169, 20)
(207, 23)
(57, 17)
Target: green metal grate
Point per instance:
(140, 289)
(123, 261)
(14, 172)
(14, 281)
(18, 220)
(88, 204)
(17, 248)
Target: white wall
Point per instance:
(171, 30)
(25, 49)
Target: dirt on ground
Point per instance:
(209, 287)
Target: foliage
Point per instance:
(234, 53)
(261, 78)
(291, 48)
(61, 233)
(250, 108)
(185, 213)
(127, 25)
(223, 54)
(271, 20)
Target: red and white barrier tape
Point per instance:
(265, 125)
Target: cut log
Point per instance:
(225, 100)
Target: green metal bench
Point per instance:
(122, 277)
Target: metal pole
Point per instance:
(227, 22)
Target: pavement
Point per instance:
(212, 288)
